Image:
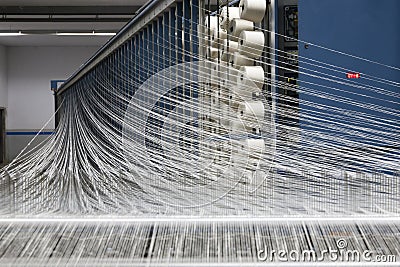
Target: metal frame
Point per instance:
(68, 10)
(146, 14)
(50, 18)
(2, 135)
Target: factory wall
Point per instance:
(30, 100)
(3, 77)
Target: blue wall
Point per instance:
(364, 28)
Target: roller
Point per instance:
(230, 76)
(233, 14)
(253, 10)
(237, 126)
(216, 76)
(252, 111)
(253, 73)
(255, 149)
(254, 145)
(251, 43)
(213, 25)
(212, 53)
(237, 60)
(227, 51)
(236, 26)
(218, 38)
(248, 152)
(244, 91)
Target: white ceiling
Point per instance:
(72, 2)
(91, 26)
(52, 40)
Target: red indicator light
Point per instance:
(353, 75)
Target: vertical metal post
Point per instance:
(195, 23)
(57, 116)
(141, 58)
(172, 35)
(179, 32)
(134, 58)
(165, 40)
(137, 56)
(152, 48)
(146, 53)
(160, 44)
(186, 30)
(3, 133)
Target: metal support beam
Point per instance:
(145, 15)
(68, 10)
(64, 19)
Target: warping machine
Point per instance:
(217, 133)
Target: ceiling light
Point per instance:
(11, 33)
(93, 33)
(47, 32)
(105, 33)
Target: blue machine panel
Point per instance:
(359, 36)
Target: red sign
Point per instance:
(353, 75)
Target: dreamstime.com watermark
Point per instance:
(341, 254)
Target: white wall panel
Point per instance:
(30, 70)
